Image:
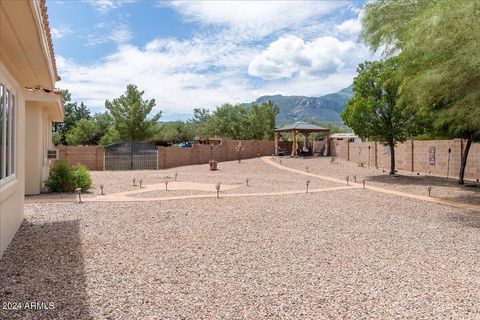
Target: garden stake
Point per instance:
(79, 190)
(217, 186)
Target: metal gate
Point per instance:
(131, 156)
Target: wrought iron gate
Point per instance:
(131, 156)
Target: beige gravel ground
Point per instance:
(349, 254)
(410, 183)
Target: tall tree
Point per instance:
(130, 113)
(375, 112)
(73, 114)
(438, 44)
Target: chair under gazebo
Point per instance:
(306, 129)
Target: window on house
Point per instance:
(7, 133)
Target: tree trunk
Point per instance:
(392, 157)
(464, 161)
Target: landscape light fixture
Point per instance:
(166, 184)
(217, 186)
(355, 178)
(308, 183)
(306, 168)
(79, 191)
(247, 182)
(429, 188)
(347, 178)
(134, 182)
(176, 174)
(101, 189)
(363, 182)
(141, 181)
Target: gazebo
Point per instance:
(304, 128)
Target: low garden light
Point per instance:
(134, 184)
(429, 188)
(79, 191)
(217, 186)
(363, 183)
(347, 178)
(307, 183)
(355, 178)
(101, 189)
(306, 168)
(141, 182)
(176, 175)
(247, 180)
(166, 183)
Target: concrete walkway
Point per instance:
(455, 204)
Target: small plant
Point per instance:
(332, 160)
(82, 177)
(361, 164)
(60, 178)
(63, 178)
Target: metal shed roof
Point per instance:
(302, 126)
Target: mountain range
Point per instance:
(299, 108)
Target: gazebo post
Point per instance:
(327, 142)
(294, 143)
(276, 143)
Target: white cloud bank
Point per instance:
(291, 55)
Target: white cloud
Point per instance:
(291, 55)
(106, 32)
(255, 18)
(351, 26)
(58, 33)
(107, 5)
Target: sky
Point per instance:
(203, 54)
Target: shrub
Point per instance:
(81, 177)
(332, 160)
(63, 178)
(60, 178)
(361, 164)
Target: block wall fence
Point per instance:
(413, 156)
(169, 157)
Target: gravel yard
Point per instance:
(441, 187)
(351, 253)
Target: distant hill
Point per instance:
(299, 108)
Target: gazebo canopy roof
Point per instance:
(302, 126)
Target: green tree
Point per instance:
(111, 136)
(130, 113)
(73, 114)
(176, 132)
(374, 112)
(262, 120)
(438, 44)
(229, 121)
(86, 131)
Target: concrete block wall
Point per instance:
(90, 156)
(414, 156)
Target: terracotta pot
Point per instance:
(213, 164)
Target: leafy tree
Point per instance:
(374, 112)
(229, 121)
(262, 120)
(176, 132)
(130, 113)
(111, 136)
(438, 44)
(86, 131)
(200, 115)
(73, 114)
